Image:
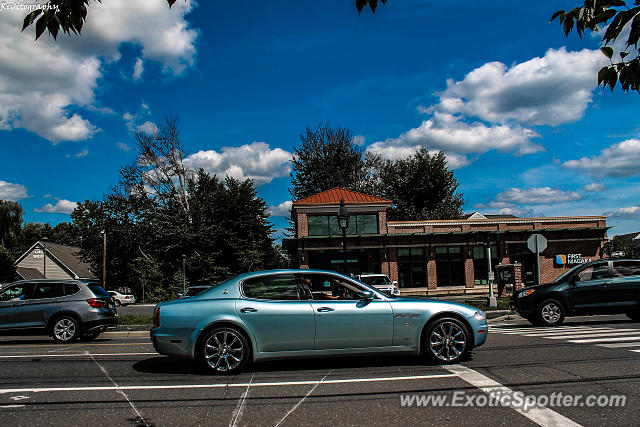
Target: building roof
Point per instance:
(478, 215)
(68, 256)
(333, 197)
(29, 273)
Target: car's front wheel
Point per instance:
(447, 341)
(550, 313)
(224, 350)
(65, 329)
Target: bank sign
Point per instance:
(571, 259)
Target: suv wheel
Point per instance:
(224, 351)
(65, 329)
(447, 341)
(550, 313)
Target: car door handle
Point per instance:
(248, 310)
(325, 309)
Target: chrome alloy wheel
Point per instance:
(65, 329)
(224, 350)
(447, 341)
(551, 312)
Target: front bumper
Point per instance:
(524, 306)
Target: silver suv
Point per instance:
(65, 309)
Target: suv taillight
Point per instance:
(156, 317)
(96, 303)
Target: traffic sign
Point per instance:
(537, 243)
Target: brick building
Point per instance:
(431, 255)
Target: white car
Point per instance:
(381, 282)
(122, 299)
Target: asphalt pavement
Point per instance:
(119, 380)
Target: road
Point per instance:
(118, 379)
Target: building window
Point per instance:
(481, 265)
(412, 252)
(449, 266)
(325, 225)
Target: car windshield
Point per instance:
(567, 273)
(375, 280)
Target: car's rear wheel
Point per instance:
(65, 329)
(224, 350)
(550, 313)
(447, 341)
(117, 303)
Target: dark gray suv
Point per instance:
(65, 309)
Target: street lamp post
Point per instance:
(104, 259)
(184, 275)
(44, 256)
(343, 222)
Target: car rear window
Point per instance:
(98, 291)
(71, 288)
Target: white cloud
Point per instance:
(359, 140)
(62, 207)
(138, 68)
(620, 160)
(518, 211)
(121, 145)
(42, 83)
(256, 161)
(537, 196)
(551, 90)
(594, 187)
(283, 209)
(147, 127)
(10, 191)
(83, 153)
(631, 212)
(394, 152)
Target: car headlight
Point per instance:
(480, 315)
(525, 293)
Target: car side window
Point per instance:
(626, 268)
(71, 288)
(47, 290)
(594, 272)
(17, 292)
(273, 287)
(326, 287)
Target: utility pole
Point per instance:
(104, 259)
(44, 256)
(492, 299)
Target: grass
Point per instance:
(128, 319)
(503, 304)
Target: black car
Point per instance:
(600, 287)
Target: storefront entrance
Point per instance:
(449, 266)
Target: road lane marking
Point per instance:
(104, 371)
(73, 346)
(237, 412)
(38, 356)
(620, 345)
(223, 385)
(12, 406)
(303, 399)
(541, 416)
(593, 335)
(573, 331)
(553, 331)
(614, 339)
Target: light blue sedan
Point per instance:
(302, 313)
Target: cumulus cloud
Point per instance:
(456, 137)
(518, 211)
(10, 191)
(83, 153)
(62, 206)
(283, 209)
(395, 151)
(256, 161)
(631, 212)
(537, 196)
(551, 90)
(147, 127)
(42, 82)
(594, 187)
(620, 160)
(124, 147)
(138, 68)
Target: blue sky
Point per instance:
(509, 99)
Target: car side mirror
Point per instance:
(366, 295)
(575, 279)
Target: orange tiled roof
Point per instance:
(333, 196)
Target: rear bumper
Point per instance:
(170, 344)
(100, 325)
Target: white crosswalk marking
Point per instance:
(601, 336)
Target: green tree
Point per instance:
(593, 16)
(330, 157)
(70, 15)
(10, 222)
(421, 187)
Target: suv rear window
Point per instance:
(71, 288)
(98, 291)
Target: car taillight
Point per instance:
(96, 303)
(156, 317)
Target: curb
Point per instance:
(509, 316)
(125, 334)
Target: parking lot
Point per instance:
(120, 380)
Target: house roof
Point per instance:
(68, 256)
(29, 273)
(333, 196)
